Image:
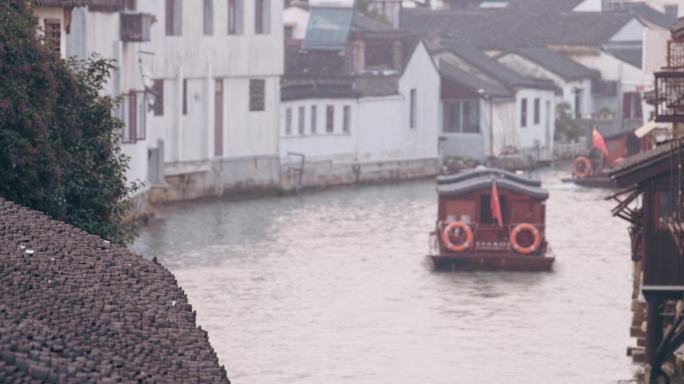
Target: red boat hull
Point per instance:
(492, 261)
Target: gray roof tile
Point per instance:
(557, 63)
(472, 82)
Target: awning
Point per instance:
(650, 127)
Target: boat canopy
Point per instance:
(492, 173)
(471, 184)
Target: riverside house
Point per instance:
(361, 106)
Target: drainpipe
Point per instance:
(491, 127)
(484, 95)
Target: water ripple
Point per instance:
(334, 287)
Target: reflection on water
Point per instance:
(334, 287)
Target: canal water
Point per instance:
(334, 287)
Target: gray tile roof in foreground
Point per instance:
(76, 309)
(557, 63)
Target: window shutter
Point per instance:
(169, 17)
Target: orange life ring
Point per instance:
(536, 242)
(586, 169)
(446, 236)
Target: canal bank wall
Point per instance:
(321, 174)
(265, 176)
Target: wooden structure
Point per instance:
(620, 145)
(490, 219)
(649, 203)
(593, 171)
(653, 202)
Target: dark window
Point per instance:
(130, 5)
(376, 55)
(330, 118)
(486, 208)
(631, 105)
(302, 120)
(314, 118)
(578, 103)
(235, 17)
(262, 19)
(452, 117)
(53, 35)
(471, 116)
(174, 17)
(346, 123)
(537, 111)
(413, 111)
(461, 116)
(208, 17)
(185, 96)
(289, 32)
(288, 121)
(665, 209)
(257, 95)
(158, 89)
(132, 116)
(523, 112)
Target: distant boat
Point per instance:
(490, 219)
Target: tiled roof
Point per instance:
(557, 63)
(320, 73)
(629, 55)
(365, 23)
(641, 160)
(472, 82)
(468, 185)
(498, 71)
(508, 28)
(652, 16)
(74, 308)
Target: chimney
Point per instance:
(672, 11)
(358, 56)
(397, 56)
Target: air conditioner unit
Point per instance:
(135, 27)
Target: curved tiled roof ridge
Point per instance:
(75, 308)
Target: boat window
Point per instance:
(664, 201)
(486, 209)
(460, 210)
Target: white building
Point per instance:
(490, 110)
(118, 31)
(201, 87)
(295, 20)
(216, 67)
(54, 21)
(573, 79)
(368, 112)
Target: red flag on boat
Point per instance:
(496, 205)
(599, 143)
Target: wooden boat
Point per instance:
(490, 219)
(609, 149)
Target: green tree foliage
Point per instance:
(59, 150)
(568, 128)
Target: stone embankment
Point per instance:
(75, 308)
